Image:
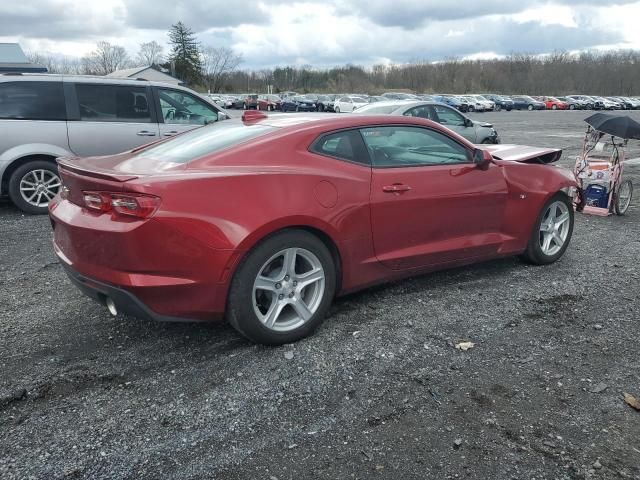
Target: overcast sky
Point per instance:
(328, 32)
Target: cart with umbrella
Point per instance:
(600, 166)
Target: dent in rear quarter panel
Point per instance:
(537, 183)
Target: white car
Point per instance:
(348, 104)
(486, 103)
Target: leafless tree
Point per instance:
(150, 53)
(56, 63)
(105, 59)
(217, 64)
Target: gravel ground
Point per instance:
(379, 391)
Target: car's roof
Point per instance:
(85, 79)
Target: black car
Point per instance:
(324, 103)
(502, 103)
(299, 103)
(525, 102)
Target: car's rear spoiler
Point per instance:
(523, 153)
(66, 163)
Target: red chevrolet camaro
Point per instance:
(266, 219)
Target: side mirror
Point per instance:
(468, 122)
(482, 158)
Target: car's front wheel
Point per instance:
(552, 232)
(283, 289)
(33, 185)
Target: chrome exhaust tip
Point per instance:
(111, 306)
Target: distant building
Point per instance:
(13, 60)
(146, 73)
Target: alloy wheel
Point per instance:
(554, 228)
(288, 289)
(38, 187)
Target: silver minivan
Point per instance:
(43, 117)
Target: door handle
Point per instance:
(146, 133)
(171, 133)
(396, 188)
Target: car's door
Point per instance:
(429, 203)
(109, 118)
(180, 111)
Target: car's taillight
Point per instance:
(130, 204)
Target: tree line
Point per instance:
(215, 69)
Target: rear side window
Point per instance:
(32, 101)
(113, 103)
(204, 141)
(346, 145)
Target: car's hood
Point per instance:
(483, 124)
(523, 153)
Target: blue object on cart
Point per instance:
(596, 196)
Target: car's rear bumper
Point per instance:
(153, 269)
(125, 302)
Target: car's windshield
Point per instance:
(203, 141)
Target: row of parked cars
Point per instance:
(348, 102)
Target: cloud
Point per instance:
(60, 19)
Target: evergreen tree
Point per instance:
(185, 53)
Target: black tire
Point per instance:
(297, 109)
(622, 209)
(471, 108)
(572, 107)
(14, 185)
(530, 107)
(497, 108)
(240, 311)
(337, 109)
(534, 254)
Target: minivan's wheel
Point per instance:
(623, 197)
(552, 232)
(282, 289)
(33, 185)
(530, 107)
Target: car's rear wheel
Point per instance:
(572, 107)
(337, 109)
(283, 289)
(33, 185)
(552, 232)
(554, 107)
(530, 107)
(623, 196)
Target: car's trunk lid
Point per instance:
(523, 153)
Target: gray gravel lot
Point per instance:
(378, 392)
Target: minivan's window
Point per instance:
(32, 101)
(402, 146)
(179, 107)
(204, 141)
(113, 103)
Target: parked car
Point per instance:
(299, 103)
(251, 101)
(237, 102)
(573, 103)
(525, 102)
(475, 132)
(324, 103)
(473, 104)
(453, 101)
(500, 102)
(590, 102)
(488, 105)
(269, 102)
(47, 116)
(344, 202)
(553, 103)
(348, 104)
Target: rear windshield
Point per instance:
(204, 141)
